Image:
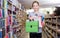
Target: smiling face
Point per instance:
(35, 6)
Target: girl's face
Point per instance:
(35, 7)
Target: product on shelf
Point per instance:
(1, 3)
(14, 21)
(9, 20)
(5, 4)
(3, 32)
(22, 7)
(2, 23)
(0, 13)
(8, 29)
(9, 6)
(3, 14)
(14, 30)
(14, 13)
(13, 8)
(6, 36)
(9, 12)
(10, 0)
(0, 34)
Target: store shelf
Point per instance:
(8, 20)
(47, 35)
(52, 26)
(50, 32)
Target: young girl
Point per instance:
(36, 16)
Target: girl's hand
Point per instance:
(31, 18)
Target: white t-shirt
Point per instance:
(37, 17)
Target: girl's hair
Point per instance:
(35, 2)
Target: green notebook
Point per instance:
(32, 26)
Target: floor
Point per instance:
(27, 35)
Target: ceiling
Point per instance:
(43, 3)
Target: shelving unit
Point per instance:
(52, 27)
(10, 26)
(2, 20)
(21, 18)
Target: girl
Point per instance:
(36, 16)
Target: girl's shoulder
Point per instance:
(41, 13)
(31, 13)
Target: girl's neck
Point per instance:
(36, 11)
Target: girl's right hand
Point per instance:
(31, 18)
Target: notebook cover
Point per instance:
(32, 26)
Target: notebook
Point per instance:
(32, 26)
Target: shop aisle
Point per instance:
(12, 19)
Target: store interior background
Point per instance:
(21, 7)
(45, 5)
